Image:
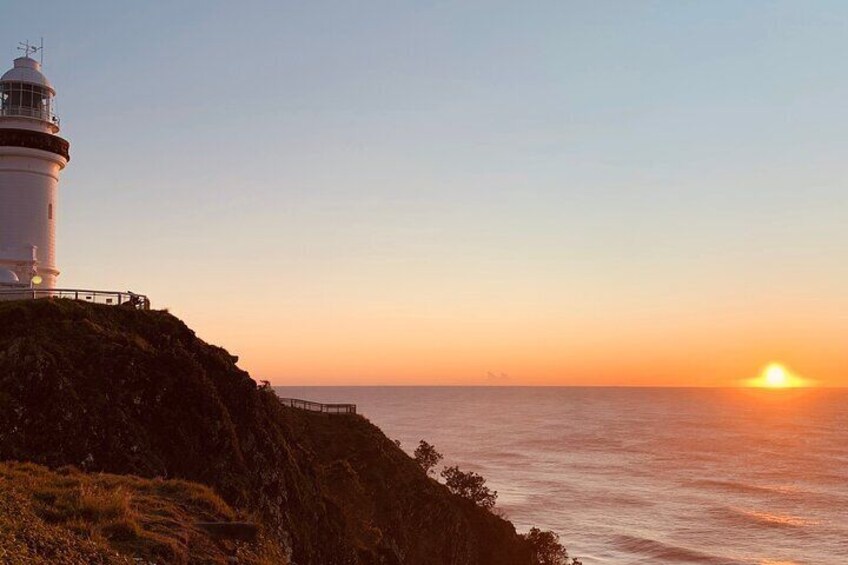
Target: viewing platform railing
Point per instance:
(110, 297)
(319, 407)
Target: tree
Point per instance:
(427, 456)
(547, 549)
(470, 486)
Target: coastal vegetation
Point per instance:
(70, 517)
(546, 546)
(471, 486)
(427, 457)
(468, 485)
(126, 392)
(547, 549)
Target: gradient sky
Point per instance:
(632, 193)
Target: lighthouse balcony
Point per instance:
(25, 112)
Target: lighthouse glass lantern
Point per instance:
(26, 100)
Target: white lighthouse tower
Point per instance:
(31, 157)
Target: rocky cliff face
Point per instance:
(123, 391)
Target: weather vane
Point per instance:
(32, 49)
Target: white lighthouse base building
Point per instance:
(29, 182)
(31, 158)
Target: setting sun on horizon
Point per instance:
(777, 376)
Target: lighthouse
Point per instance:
(31, 157)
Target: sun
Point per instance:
(775, 375)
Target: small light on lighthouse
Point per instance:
(36, 280)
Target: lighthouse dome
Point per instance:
(8, 277)
(27, 71)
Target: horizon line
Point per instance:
(742, 387)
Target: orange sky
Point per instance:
(429, 193)
(665, 342)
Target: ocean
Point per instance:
(639, 476)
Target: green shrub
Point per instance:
(547, 549)
(470, 486)
(427, 457)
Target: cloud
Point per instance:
(493, 378)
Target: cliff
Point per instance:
(122, 391)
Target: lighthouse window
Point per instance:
(50, 211)
(21, 99)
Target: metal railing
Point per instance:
(319, 407)
(110, 297)
(27, 112)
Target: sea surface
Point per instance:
(653, 476)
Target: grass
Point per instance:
(112, 519)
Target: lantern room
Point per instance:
(26, 93)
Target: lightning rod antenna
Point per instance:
(31, 49)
